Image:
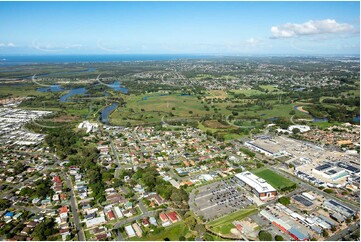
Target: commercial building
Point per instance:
(257, 185)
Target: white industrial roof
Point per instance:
(259, 184)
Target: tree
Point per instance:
(4, 204)
(208, 237)
(191, 222)
(348, 220)
(296, 131)
(182, 238)
(284, 200)
(43, 230)
(279, 238)
(264, 236)
(200, 228)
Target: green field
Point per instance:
(276, 180)
(224, 224)
(21, 90)
(150, 108)
(248, 93)
(271, 88)
(172, 232)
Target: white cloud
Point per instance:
(10, 44)
(252, 42)
(46, 47)
(101, 46)
(73, 46)
(312, 27)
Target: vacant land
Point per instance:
(277, 181)
(157, 107)
(224, 224)
(214, 124)
(172, 232)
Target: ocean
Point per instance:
(33, 59)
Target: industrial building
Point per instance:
(294, 232)
(339, 208)
(257, 185)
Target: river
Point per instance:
(315, 119)
(107, 111)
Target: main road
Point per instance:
(74, 209)
(349, 230)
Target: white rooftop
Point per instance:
(259, 184)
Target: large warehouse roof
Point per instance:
(259, 184)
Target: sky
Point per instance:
(221, 28)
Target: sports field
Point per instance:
(276, 180)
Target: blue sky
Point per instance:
(231, 28)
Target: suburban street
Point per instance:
(74, 209)
(115, 153)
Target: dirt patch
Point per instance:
(302, 110)
(214, 124)
(64, 119)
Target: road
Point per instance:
(17, 186)
(115, 153)
(32, 209)
(338, 236)
(129, 220)
(74, 209)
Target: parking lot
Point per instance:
(221, 198)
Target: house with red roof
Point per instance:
(145, 222)
(111, 215)
(163, 217)
(63, 209)
(57, 179)
(173, 217)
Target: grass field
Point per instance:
(172, 233)
(150, 108)
(276, 180)
(278, 110)
(217, 94)
(224, 224)
(248, 93)
(21, 90)
(271, 88)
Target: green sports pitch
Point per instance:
(276, 180)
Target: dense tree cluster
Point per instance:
(264, 236)
(68, 144)
(44, 230)
(4, 204)
(150, 178)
